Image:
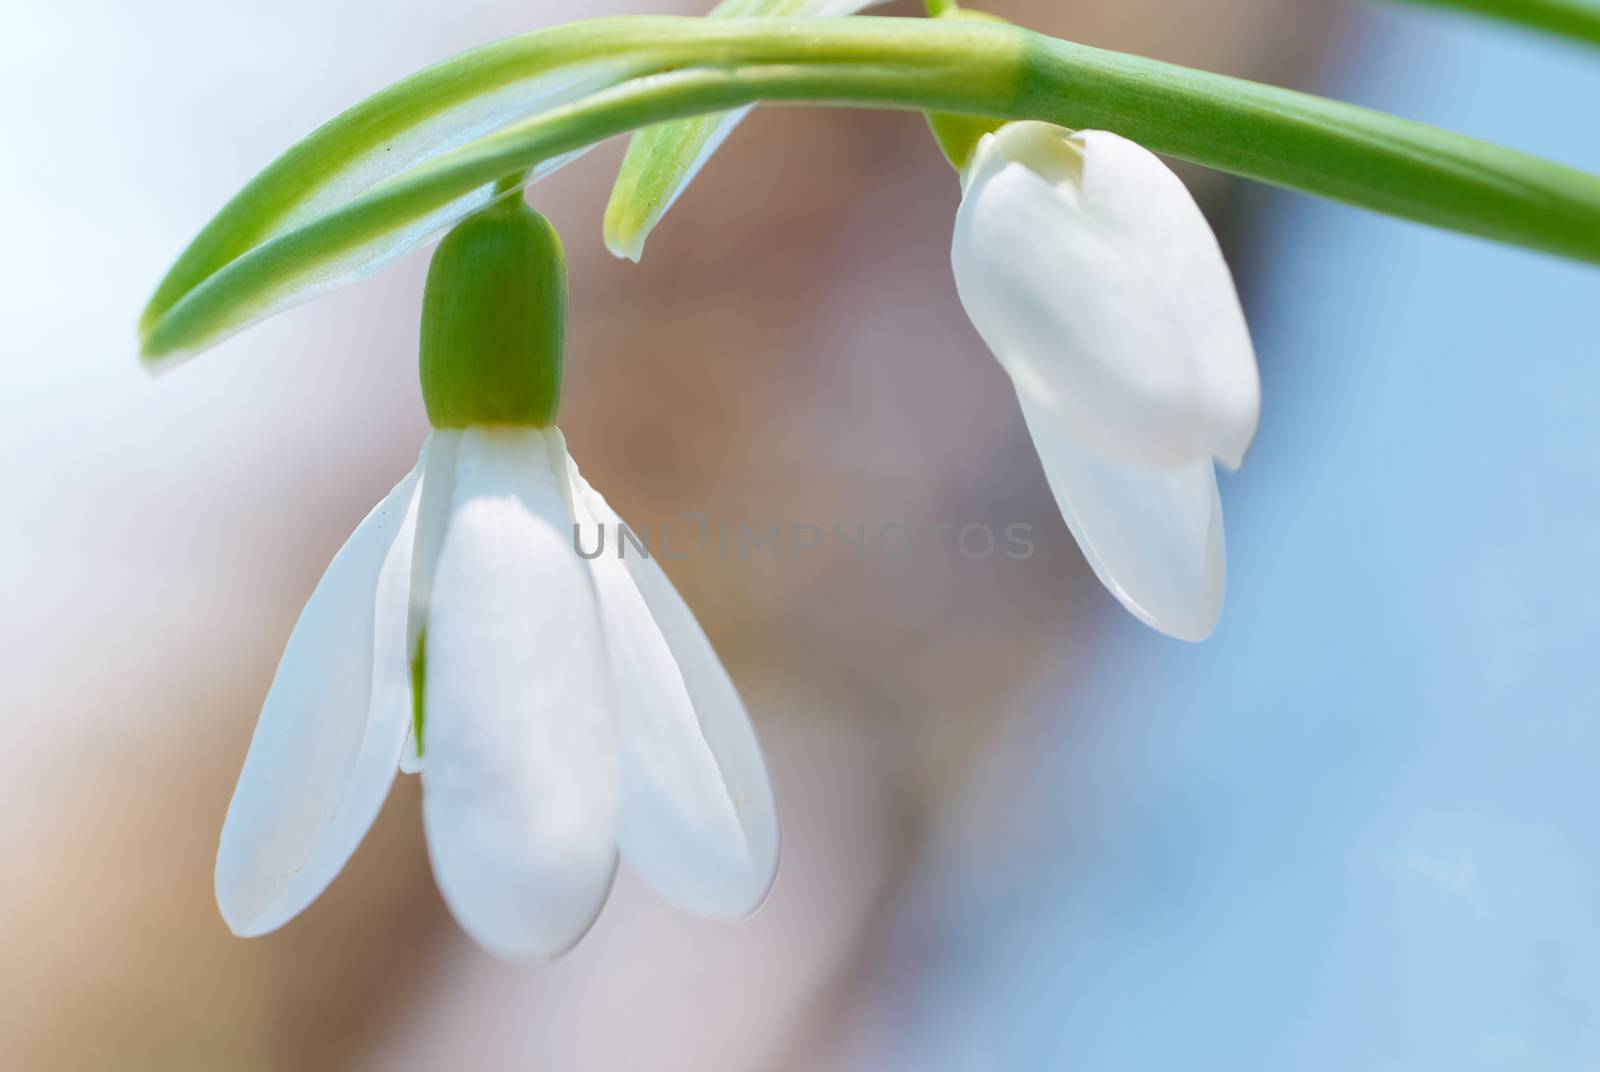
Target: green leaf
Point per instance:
(662, 160)
(316, 218)
(1576, 20)
(389, 133)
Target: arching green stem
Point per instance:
(249, 262)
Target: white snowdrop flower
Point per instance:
(1094, 278)
(563, 709)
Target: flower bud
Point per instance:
(494, 320)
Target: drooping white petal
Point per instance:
(1141, 199)
(663, 160)
(1153, 536)
(698, 818)
(328, 740)
(1088, 269)
(520, 792)
(391, 654)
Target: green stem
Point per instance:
(232, 274)
(506, 184)
(1576, 20)
(939, 8)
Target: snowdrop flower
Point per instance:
(561, 709)
(1093, 277)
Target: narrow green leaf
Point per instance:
(1576, 20)
(662, 160)
(419, 117)
(247, 268)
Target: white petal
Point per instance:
(433, 517)
(1153, 536)
(434, 506)
(698, 818)
(520, 794)
(1128, 187)
(410, 761)
(325, 749)
(1095, 279)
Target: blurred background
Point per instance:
(1355, 830)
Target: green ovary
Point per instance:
(494, 320)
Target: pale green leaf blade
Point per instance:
(660, 164)
(663, 160)
(694, 67)
(429, 113)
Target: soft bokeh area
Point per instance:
(1355, 830)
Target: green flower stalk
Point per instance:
(958, 135)
(404, 165)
